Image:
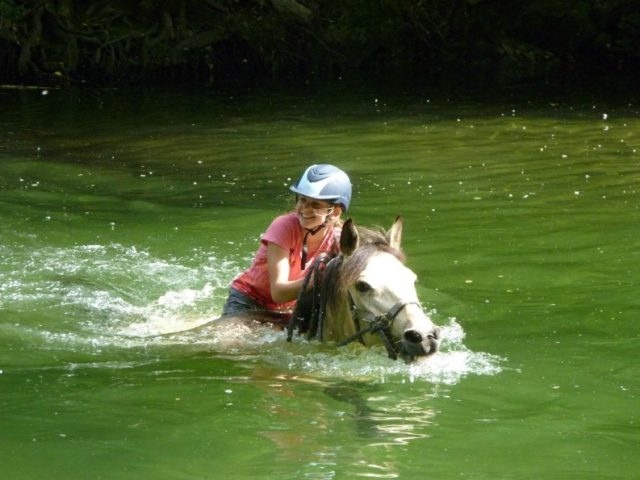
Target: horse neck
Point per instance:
(338, 322)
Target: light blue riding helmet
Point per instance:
(325, 182)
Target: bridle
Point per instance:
(312, 324)
(380, 324)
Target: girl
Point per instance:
(291, 244)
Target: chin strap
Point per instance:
(310, 231)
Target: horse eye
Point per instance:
(363, 286)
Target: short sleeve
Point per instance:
(282, 232)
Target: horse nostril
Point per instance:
(436, 334)
(412, 336)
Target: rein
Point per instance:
(302, 319)
(311, 322)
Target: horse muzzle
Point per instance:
(419, 344)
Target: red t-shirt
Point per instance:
(286, 232)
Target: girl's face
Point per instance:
(312, 212)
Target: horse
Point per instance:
(366, 294)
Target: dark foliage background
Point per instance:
(276, 42)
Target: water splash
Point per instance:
(453, 362)
(120, 297)
(112, 289)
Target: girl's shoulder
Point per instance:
(283, 231)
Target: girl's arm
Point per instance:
(282, 289)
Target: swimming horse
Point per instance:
(366, 294)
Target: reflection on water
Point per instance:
(365, 416)
(371, 417)
(384, 420)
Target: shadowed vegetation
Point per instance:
(254, 42)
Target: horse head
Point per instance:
(378, 290)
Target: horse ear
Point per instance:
(348, 238)
(395, 233)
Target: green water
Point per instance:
(126, 214)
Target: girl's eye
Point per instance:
(363, 287)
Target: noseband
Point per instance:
(380, 324)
